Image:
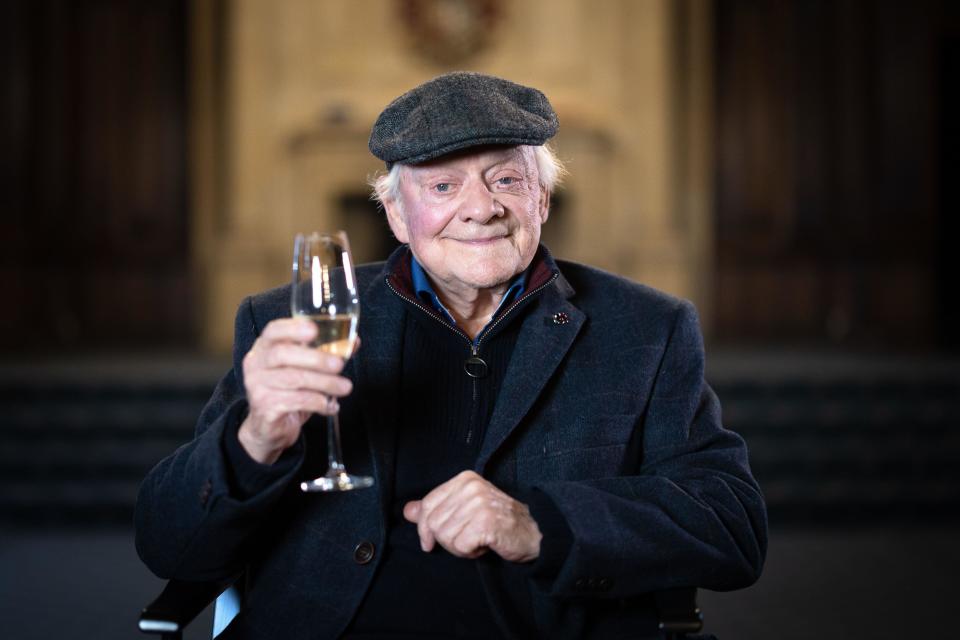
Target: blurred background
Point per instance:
(788, 166)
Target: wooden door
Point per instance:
(95, 220)
(831, 202)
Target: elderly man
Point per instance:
(546, 451)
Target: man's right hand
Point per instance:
(286, 381)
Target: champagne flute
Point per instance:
(325, 292)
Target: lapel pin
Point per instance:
(560, 318)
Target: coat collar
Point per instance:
(378, 363)
(548, 330)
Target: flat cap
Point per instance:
(460, 110)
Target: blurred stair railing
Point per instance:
(857, 444)
(75, 446)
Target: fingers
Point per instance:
(468, 515)
(278, 363)
(411, 511)
(434, 508)
(473, 540)
(281, 403)
(291, 379)
(455, 484)
(466, 530)
(284, 343)
(275, 355)
(286, 381)
(289, 330)
(273, 391)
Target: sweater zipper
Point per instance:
(456, 330)
(474, 346)
(493, 325)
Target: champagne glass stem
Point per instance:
(334, 453)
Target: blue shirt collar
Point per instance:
(424, 290)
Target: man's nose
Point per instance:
(479, 203)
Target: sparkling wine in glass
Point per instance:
(325, 292)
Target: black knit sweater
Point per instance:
(444, 414)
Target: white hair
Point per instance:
(386, 186)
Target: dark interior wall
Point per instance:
(835, 196)
(948, 73)
(95, 219)
(830, 202)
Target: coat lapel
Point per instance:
(547, 333)
(378, 376)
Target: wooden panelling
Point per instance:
(95, 219)
(827, 151)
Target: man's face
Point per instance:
(472, 219)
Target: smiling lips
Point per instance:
(486, 240)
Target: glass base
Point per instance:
(337, 482)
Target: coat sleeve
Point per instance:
(688, 511)
(197, 508)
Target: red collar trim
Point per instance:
(542, 268)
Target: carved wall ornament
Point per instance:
(448, 32)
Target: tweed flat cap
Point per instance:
(460, 110)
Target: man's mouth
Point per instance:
(482, 240)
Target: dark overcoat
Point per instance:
(604, 409)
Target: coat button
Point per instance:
(364, 552)
(605, 584)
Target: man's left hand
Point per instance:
(467, 515)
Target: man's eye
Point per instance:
(507, 180)
(442, 187)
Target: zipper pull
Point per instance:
(475, 366)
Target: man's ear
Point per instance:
(544, 204)
(396, 220)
